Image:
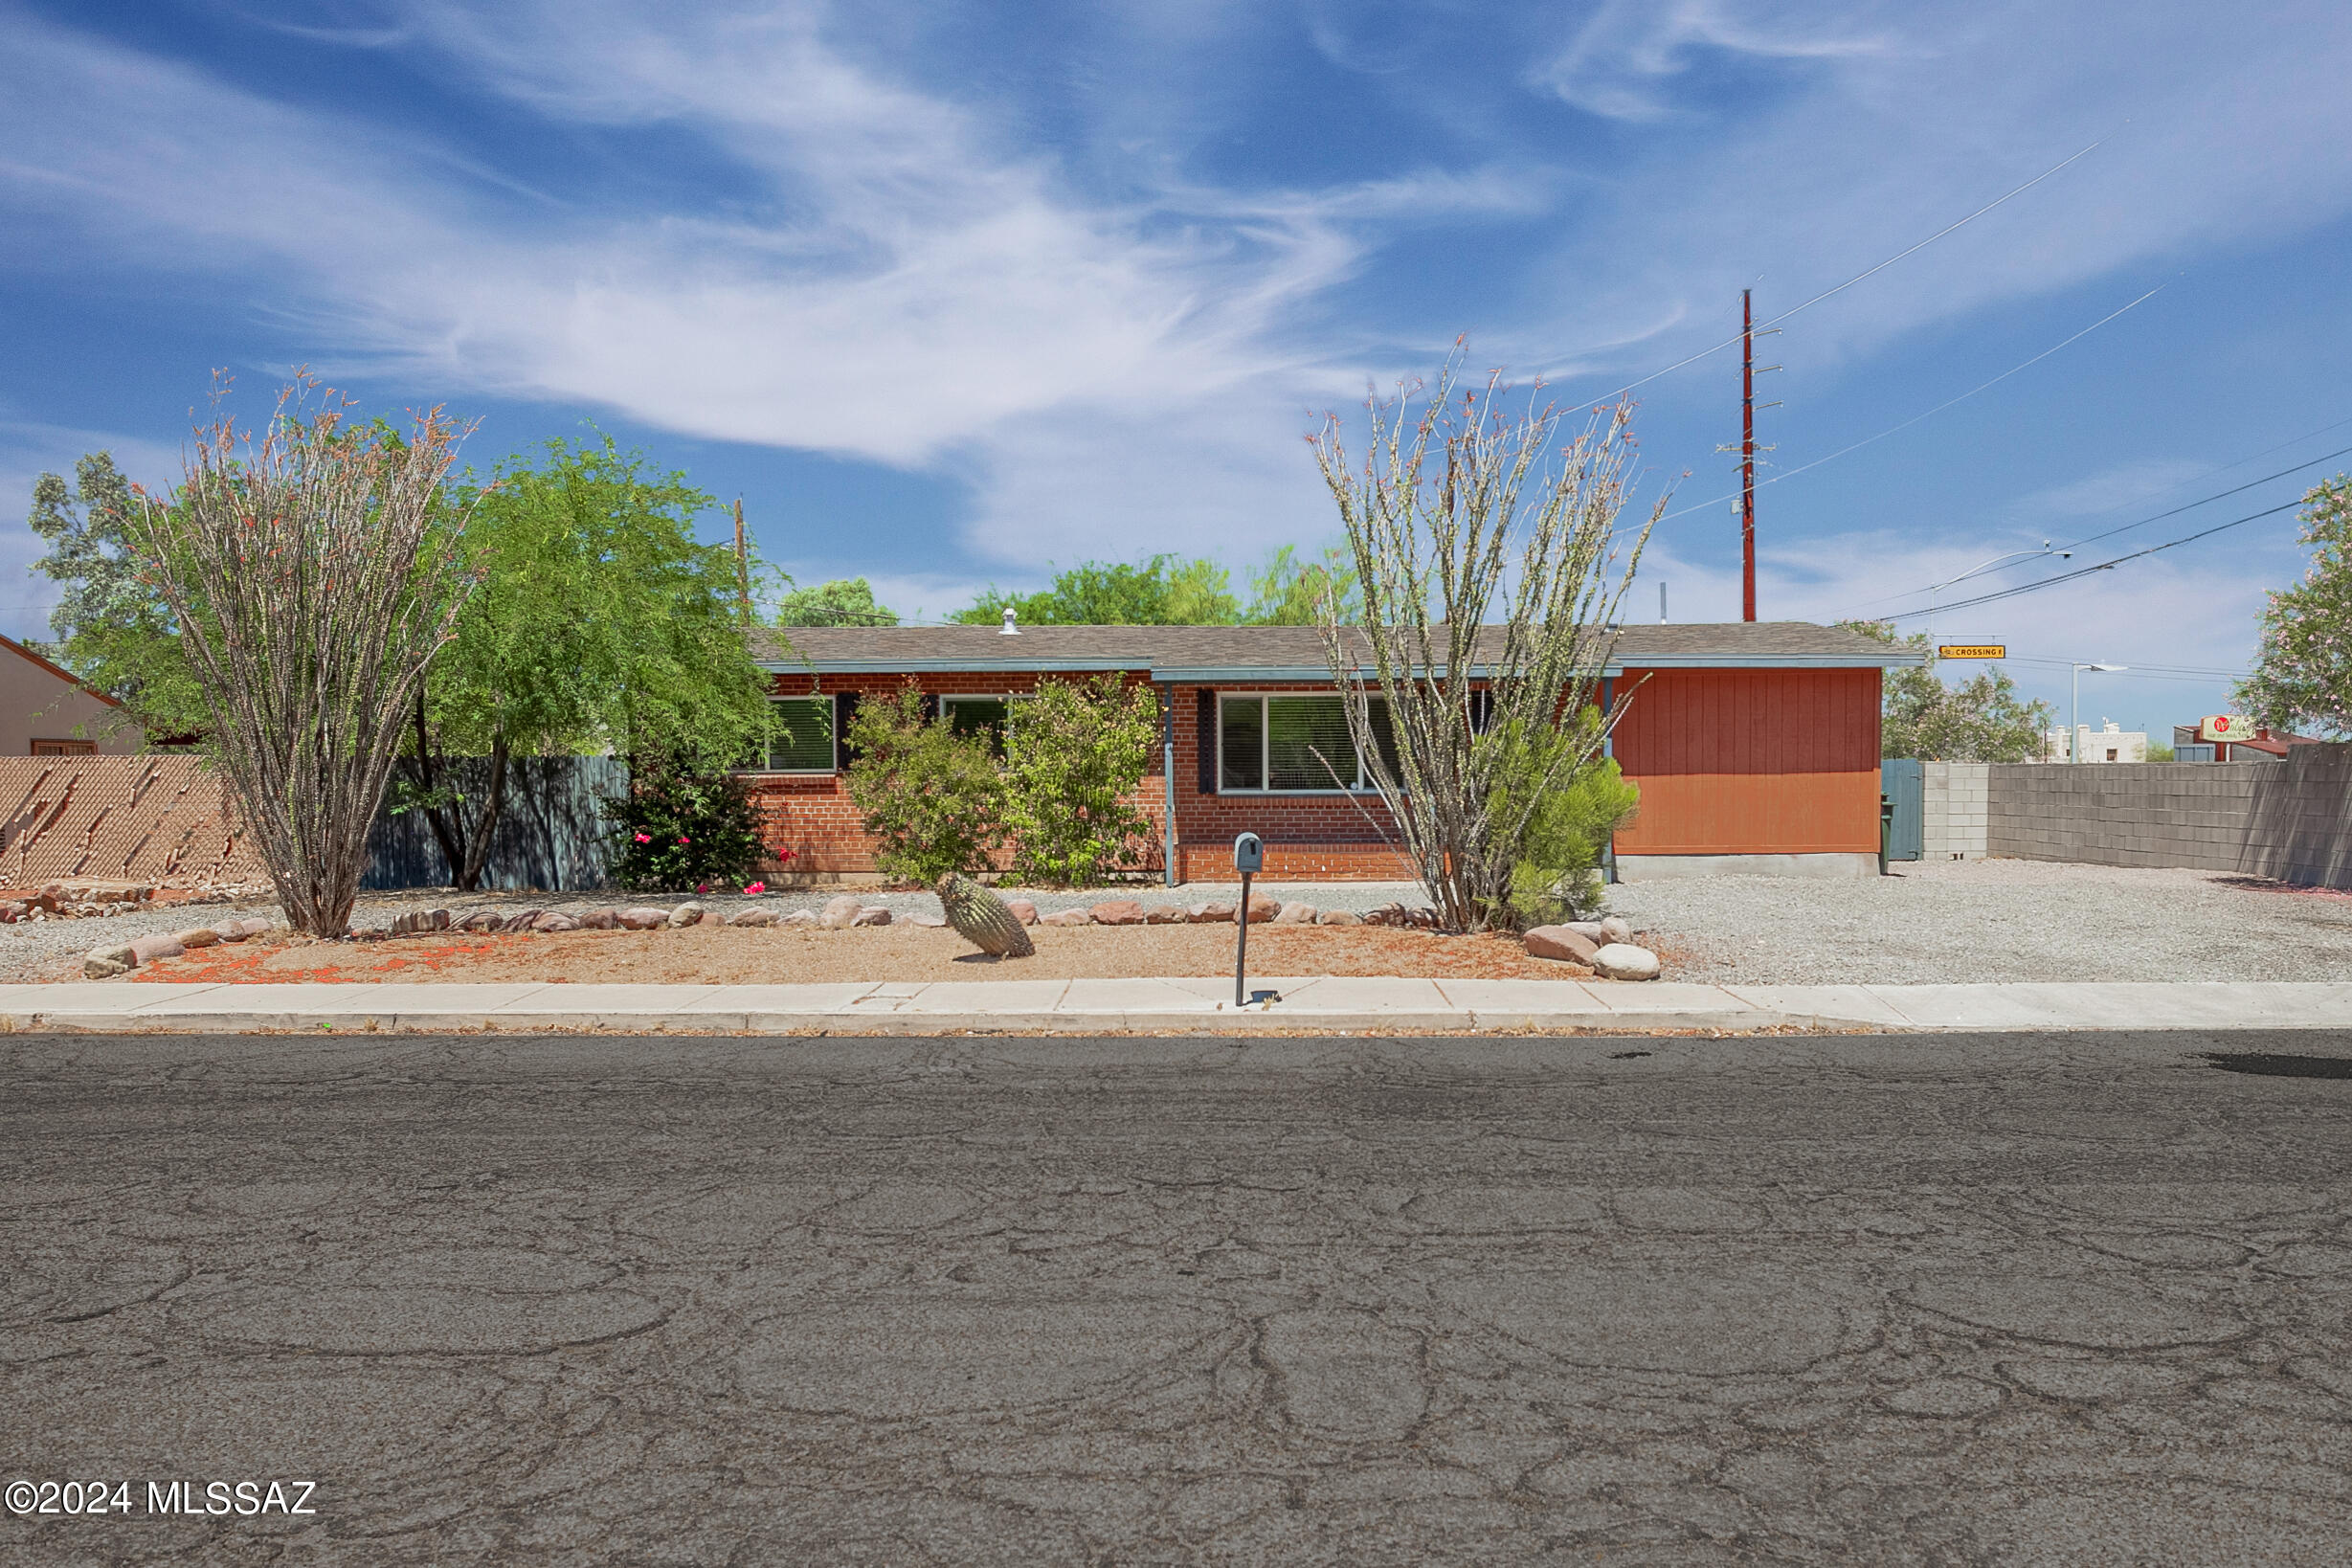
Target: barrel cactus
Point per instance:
(981, 918)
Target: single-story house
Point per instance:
(45, 711)
(1755, 745)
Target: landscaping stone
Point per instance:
(800, 917)
(1067, 917)
(1589, 929)
(1163, 914)
(1561, 942)
(600, 920)
(526, 920)
(930, 923)
(1622, 961)
(757, 914)
(554, 920)
(106, 962)
(147, 949)
(688, 913)
(482, 920)
(839, 912)
(1263, 908)
(1615, 929)
(710, 917)
(420, 920)
(1118, 911)
(1293, 913)
(196, 937)
(1024, 909)
(250, 925)
(873, 915)
(644, 918)
(1209, 914)
(1339, 917)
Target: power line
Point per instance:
(2103, 566)
(2190, 506)
(1856, 278)
(1996, 381)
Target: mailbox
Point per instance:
(1249, 854)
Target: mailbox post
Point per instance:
(1248, 858)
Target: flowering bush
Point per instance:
(1073, 755)
(931, 797)
(678, 827)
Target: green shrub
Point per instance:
(1570, 809)
(931, 798)
(679, 827)
(1073, 752)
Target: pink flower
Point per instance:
(755, 889)
(683, 839)
(644, 837)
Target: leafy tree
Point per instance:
(842, 602)
(2302, 679)
(1160, 591)
(113, 625)
(1979, 720)
(601, 624)
(1569, 802)
(1074, 751)
(1290, 591)
(932, 800)
(681, 825)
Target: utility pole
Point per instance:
(1747, 457)
(743, 567)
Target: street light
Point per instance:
(1983, 566)
(2073, 735)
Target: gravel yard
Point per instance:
(1958, 921)
(1949, 921)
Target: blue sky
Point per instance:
(949, 293)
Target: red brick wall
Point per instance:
(1306, 835)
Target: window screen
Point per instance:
(1384, 736)
(1307, 744)
(1244, 740)
(806, 744)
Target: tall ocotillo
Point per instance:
(982, 919)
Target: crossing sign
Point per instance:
(1973, 650)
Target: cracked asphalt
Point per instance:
(2071, 1299)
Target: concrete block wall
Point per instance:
(2176, 813)
(1958, 811)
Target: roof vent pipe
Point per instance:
(1008, 629)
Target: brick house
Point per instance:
(1755, 746)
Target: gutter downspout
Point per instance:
(1608, 748)
(1167, 758)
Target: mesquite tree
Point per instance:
(314, 576)
(2302, 677)
(1461, 508)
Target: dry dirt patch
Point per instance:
(725, 956)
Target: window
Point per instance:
(1295, 744)
(64, 748)
(977, 715)
(806, 744)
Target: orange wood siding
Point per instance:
(1750, 762)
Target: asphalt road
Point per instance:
(2014, 1299)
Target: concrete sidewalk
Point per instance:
(1190, 1006)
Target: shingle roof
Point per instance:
(1216, 653)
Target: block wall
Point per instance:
(2179, 813)
(1958, 811)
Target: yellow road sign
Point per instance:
(1973, 650)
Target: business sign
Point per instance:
(1973, 650)
(2224, 727)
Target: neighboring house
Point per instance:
(1755, 746)
(46, 711)
(2111, 744)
